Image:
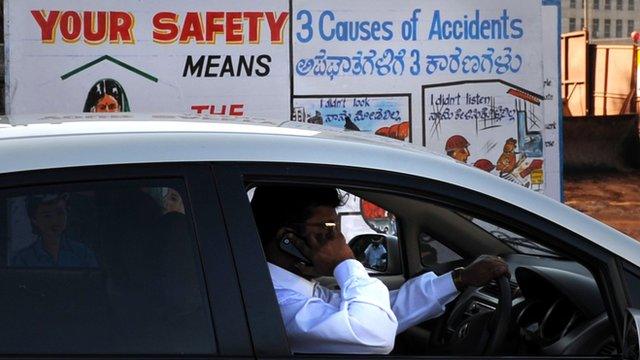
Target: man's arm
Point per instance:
(421, 298)
(358, 320)
(425, 296)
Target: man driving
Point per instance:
(363, 316)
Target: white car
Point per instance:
(133, 235)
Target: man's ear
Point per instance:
(283, 231)
(280, 233)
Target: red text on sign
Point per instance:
(233, 27)
(230, 110)
(94, 27)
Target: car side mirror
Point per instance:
(379, 252)
(630, 349)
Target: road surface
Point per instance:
(613, 198)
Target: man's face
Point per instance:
(172, 202)
(107, 104)
(461, 154)
(51, 218)
(323, 224)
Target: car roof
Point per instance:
(39, 142)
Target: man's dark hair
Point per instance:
(32, 202)
(277, 206)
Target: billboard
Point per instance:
(474, 70)
(477, 81)
(149, 56)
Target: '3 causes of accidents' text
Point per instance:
(412, 57)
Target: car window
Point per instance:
(101, 268)
(553, 299)
(516, 241)
(433, 252)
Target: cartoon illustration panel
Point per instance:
(386, 115)
(493, 125)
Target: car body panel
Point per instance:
(64, 143)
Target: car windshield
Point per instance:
(515, 241)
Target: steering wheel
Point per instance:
(480, 333)
(499, 324)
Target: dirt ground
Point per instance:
(611, 197)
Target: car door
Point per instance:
(117, 260)
(268, 332)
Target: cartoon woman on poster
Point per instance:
(106, 95)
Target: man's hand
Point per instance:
(325, 255)
(484, 269)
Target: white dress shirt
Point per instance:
(362, 317)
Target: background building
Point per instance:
(609, 20)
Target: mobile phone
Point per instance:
(287, 246)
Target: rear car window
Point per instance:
(101, 268)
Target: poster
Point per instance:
(474, 72)
(492, 125)
(388, 116)
(149, 56)
(475, 80)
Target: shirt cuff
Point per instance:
(348, 269)
(444, 285)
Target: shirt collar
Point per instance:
(43, 255)
(284, 279)
(40, 252)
